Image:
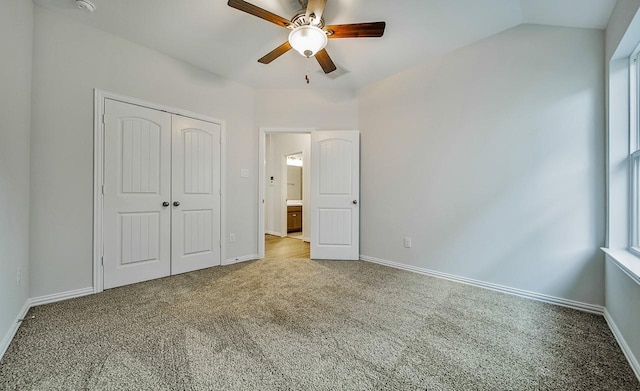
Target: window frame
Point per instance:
(634, 152)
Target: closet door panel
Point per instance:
(137, 169)
(195, 240)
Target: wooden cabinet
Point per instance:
(294, 218)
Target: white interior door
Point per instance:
(195, 240)
(137, 169)
(335, 194)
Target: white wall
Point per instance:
(492, 160)
(16, 44)
(278, 146)
(320, 109)
(622, 302)
(70, 60)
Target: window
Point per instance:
(634, 153)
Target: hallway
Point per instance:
(277, 247)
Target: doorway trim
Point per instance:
(262, 164)
(99, 97)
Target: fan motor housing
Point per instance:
(300, 19)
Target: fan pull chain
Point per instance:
(306, 76)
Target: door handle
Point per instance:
(165, 204)
(355, 202)
(176, 203)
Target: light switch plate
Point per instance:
(244, 173)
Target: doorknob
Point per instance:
(165, 204)
(355, 202)
(176, 203)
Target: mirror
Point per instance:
(294, 177)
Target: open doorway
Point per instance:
(331, 190)
(284, 222)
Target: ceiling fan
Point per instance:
(309, 34)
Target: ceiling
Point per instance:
(228, 42)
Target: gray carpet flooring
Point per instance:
(307, 325)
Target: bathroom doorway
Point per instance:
(286, 185)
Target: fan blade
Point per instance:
(259, 12)
(275, 53)
(315, 7)
(356, 30)
(325, 61)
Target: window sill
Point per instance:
(626, 261)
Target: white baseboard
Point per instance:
(305, 239)
(592, 308)
(244, 258)
(47, 299)
(6, 341)
(628, 353)
(36, 301)
(274, 233)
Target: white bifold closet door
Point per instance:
(195, 221)
(161, 194)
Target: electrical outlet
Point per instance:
(232, 238)
(407, 242)
(19, 276)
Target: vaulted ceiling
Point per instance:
(227, 42)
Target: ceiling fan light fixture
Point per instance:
(86, 5)
(308, 40)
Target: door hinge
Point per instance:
(102, 189)
(220, 243)
(103, 115)
(102, 261)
